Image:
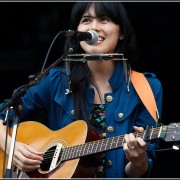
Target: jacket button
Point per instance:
(120, 115)
(110, 129)
(72, 112)
(109, 98)
(108, 163)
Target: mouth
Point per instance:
(100, 40)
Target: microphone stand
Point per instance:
(12, 103)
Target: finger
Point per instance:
(29, 148)
(34, 154)
(30, 153)
(25, 167)
(129, 152)
(132, 138)
(141, 142)
(138, 129)
(19, 157)
(129, 138)
(130, 141)
(125, 147)
(126, 138)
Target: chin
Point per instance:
(96, 51)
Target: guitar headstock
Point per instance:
(171, 132)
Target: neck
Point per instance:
(101, 70)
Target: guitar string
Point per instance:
(76, 149)
(70, 151)
(157, 131)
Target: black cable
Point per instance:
(50, 47)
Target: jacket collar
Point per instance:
(118, 76)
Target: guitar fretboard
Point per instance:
(103, 145)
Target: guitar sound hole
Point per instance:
(48, 157)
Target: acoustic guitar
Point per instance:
(72, 152)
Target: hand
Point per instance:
(135, 148)
(26, 158)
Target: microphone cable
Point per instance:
(50, 47)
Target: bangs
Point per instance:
(105, 9)
(101, 9)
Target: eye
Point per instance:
(85, 20)
(104, 19)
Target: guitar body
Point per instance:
(73, 151)
(41, 138)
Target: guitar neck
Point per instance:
(106, 144)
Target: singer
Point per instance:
(101, 94)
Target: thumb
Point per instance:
(138, 129)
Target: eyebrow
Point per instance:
(87, 16)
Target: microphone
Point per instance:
(90, 37)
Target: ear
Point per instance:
(121, 37)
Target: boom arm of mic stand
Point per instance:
(12, 103)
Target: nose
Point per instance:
(95, 25)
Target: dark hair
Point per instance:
(117, 13)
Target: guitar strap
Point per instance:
(145, 93)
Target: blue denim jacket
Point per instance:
(124, 110)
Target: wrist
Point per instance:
(136, 170)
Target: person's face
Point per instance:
(108, 32)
